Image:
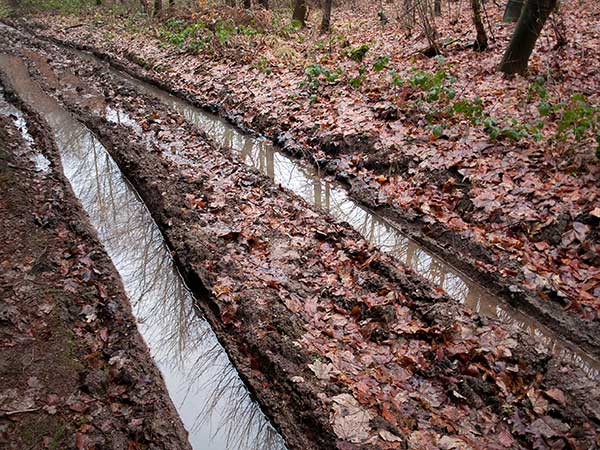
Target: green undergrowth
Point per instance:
(5, 9)
(431, 94)
(58, 6)
(199, 35)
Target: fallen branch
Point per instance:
(74, 26)
(18, 411)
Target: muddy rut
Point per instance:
(342, 345)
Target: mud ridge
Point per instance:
(464, 254)
(347, 298)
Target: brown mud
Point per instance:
(343, 346)
(74, 371)
(468, 256)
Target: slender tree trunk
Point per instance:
(300, 10)
(437, 7)
(157, 7)
(481, 42)
(326, 22)
(409, 13)
(528, 29)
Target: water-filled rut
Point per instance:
(211, 399)
(383, 342)
(330, 196)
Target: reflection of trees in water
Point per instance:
(179, 339)
(308, 183)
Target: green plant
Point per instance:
(357, 54)
(288, 29)
(578, 118)
(470, 109)
(315, 73)
(224, 30)
(61, 6)
(381, 63)
(508, 128)
(537, 88)
(358, 80)
(263, 66)
(247, 30)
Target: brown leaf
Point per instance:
(350, 421)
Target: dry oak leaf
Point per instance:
(350, 421)
(322, 371)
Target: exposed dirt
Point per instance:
(74, 372)
(343, 346)
(496, 263)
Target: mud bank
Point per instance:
(74, 371)
(342, 345)
(472, 258)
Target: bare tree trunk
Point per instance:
(408, 13)
(513, 10)
(481, 42)
(326, 22)
(157, 7)
(300, 10)
(437, 7)
(528, 29)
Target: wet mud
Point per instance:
(467, 256)
(213, 402)
(341, 345)
(74, 372)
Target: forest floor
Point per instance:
(500, 175)
(74, 372)
(342, 345)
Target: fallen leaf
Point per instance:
(349, 420)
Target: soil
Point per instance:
(74, 372)
(489, 265)
(342, 346)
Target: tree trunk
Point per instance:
(157, 7)
(481, 42)
(528, 29)
(437, 7)
(264, 3)
(326, 22)
(408, 11)
(513, 10)
(299, 13)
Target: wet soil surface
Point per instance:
(74, 372)
(343, 346)
(489, 265)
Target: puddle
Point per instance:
(332, 197)
(211, 399)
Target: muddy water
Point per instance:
(332, 197)
(213, 402)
